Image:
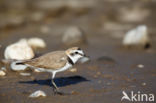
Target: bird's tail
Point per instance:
(18, 65)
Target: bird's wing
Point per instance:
(53, 60)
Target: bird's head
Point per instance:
(75, 53)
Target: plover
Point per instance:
(53, 62)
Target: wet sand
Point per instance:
(99, 80)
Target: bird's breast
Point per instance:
(67, 66)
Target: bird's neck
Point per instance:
(70, 60)
(73, 60)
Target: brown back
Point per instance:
(53, 60)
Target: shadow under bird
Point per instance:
(53, 62)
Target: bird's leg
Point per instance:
(54, 85)
(55, 88)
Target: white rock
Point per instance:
(144, 84)
(38, 93)
(36, 42)
(2, 73)
(73, 35)
(25, 74)
(140, 66)
(19, 51)
(3, 68)
(137, 36)
(17, 67)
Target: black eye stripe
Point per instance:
(79, 53)
(72, 54)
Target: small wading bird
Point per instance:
(53, 62)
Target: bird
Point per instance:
(53, 62)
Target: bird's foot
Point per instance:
(58, 92)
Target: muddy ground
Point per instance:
(112, 68)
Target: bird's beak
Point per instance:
(84, 59)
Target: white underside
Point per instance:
(67, 66)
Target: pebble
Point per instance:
(19, 51)
(143, 84)
(73, 70)
(25, 74)
(2, 73)
(38, 93)
(140, 66)
(3, 68)
(36, 42)
(73, 35)
(137, 37)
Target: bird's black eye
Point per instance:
(76, 52)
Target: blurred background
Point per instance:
(101, 26)
(50, 18)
